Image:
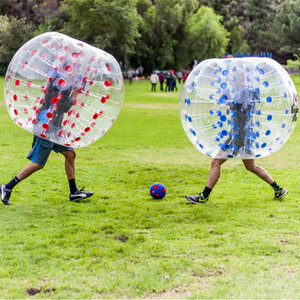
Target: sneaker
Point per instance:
(5, 194)
(280, 193)
(78, 195)
(197, 199)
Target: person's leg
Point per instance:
(251, 166)
(213, 177)
(75, 194)
(38, 155)
(215, 172)
(70, 156)
(28, 170)
(70, 169)
(6, 189)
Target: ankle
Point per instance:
(206, 192)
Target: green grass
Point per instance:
(123, 244)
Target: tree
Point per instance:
(294, 64)
(232, 13)
(287, 27)
(259, 16)
(35, 11)
(163, 33)
(13, 34)
(108, 24)
(207, 36)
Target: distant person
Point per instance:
(173, 81)
(179, 77)
(140, 70)
(161, 77)
(154, 79)
(122, 67)
(185, 77)
(130, 75)
(168, 82)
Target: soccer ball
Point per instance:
(158, 191)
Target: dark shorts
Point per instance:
(42, 148)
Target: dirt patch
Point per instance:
(49, 291)
(33, 291)
(121, 238)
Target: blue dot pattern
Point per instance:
(238, 108)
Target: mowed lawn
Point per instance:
(121, 243)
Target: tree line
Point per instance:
(157, 34)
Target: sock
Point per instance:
(12, 183)
(206, 192)
(73, 187)
(275, 186)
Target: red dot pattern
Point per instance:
(54, 100)
(46, 126)
(61, 82)
(68, 68)
(49, 115)
(24, 90)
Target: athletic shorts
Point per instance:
(42, 148)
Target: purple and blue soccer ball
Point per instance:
(158, 191)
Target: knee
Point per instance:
(250, 166)
(36, 167)
(70, 155)
(216, 163)
(39, 167)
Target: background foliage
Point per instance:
(161, 34)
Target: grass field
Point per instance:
(123, 244)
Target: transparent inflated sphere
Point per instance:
(63, 90)
(238, 107)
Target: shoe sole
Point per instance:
(192, 201)
(281, 196)
(81, 198)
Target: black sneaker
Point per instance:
(197, 199)
(78, 195)
(280, 193)
(5, 194)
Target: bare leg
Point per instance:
(75, 194)
(28, 170)
(251, 166)
(70, 163)
(215, 172)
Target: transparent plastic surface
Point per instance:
(63, 90)
(238, 107)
